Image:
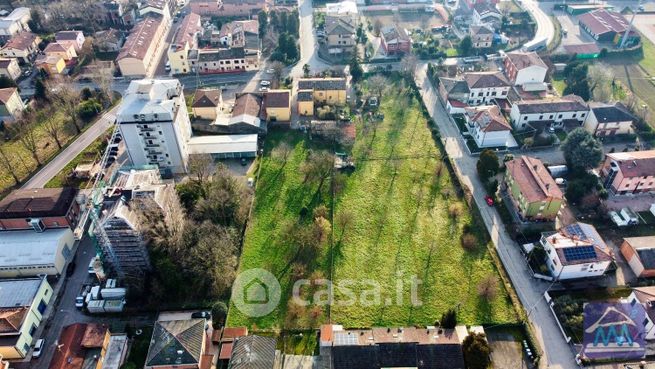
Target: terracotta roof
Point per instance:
(489, 119)
(207, 98)
(140, 39)
(457, 104)
(533, 180)
(585, 48)
(11, 319)
(55, 47)
(246, 26)
(394, 34)
(37, 202)
(226, 350)
(229, 334)
(276, 99)
(635, 163)
(522, 60)
(566, 103)
(602, 21)
(481, 30)
(485, 80)
(67, 35)
(21, 41)
(94, 335)
(7, 93)
(188, 29)
(71, 354)
(485, 8)
(247, 104)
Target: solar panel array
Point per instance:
(345, 339)
(574, 229)
(580, 253)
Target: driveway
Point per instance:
(308, 43)
(556, 352)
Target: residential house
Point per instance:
(552, 112)
(241, 8)
(234, 60)
(277, 105)
(23, 45)
(387, 347)
(532, 190)
(346, 10)
(250, 352)
(116, 15)
(482, 36)
(64, 50)
(340, 35)
(454, 92)
(331, 91)
(489, 127)
(140, 53)
(11, 104)
(80, 344)
(645, 296)
(155, 124)
(22, 305)
(113, 352)
(395, 40)
(207, 103)
(9, 68)
(205, 8)
(243, 33)
(39, 208)
(179, 344)
(71, 37)
(629, 173)
(185, 40)
(110, 40)
(609, 120)
(52, 64)
(246, 115)
(607, 26)
(305, 102)
(639, 252)
(161, 8)
(484, 87)
(527, 70)
(576, 251)
(486, 13)
(15, 22)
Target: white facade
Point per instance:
(522, 121)
(649, 327)
(562, 270)
(616, 126)
(155, 124)
(533, 74)
(493, 138)
(482, 96)
(30, 253)
(15, 22)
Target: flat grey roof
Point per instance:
(18, 292)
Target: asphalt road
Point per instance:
(556, 352)
(545, 27)
(308, 43)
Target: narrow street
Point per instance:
(308, 49)
(556, 353)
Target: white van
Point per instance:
(38, 347)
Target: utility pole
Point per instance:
(628, 30)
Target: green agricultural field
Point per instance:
(401, 228)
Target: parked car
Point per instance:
(38, 347)
(270, 70)
(489, 200)
(265, 83)
(263, 89)
(91, 264)
(201, 314)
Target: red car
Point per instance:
(489, 200)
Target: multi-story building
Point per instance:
(52, 64)
(234, 60)
(30, 254)
(139, 55)
(155, 124)
(552, 112)
(15, 22)
(346, 9)
(454, 93)
(71, 37)
(119, 231)
(526, 69)
(163, 8)
(22, 305)
(482, 36)
(489, 127)
(277, 105)
(185, 39)
(609, 120)
(11, 104)
(629, 173)
(485, 87)
(395, 40)
(39, 208)
(65, 51)
(242, 33)
(340, 35)
(532, 190)
(23, 45)
(9, 68)
(331, 91)
(486, 13)
(576, 251)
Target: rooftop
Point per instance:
(18, 292)
(67, 35)
(634, 163)
(338, 26)
(223, 144)
(567, 103)
(485, 80)
(187, 31)
(37, 202)
(485, 8)
(176, 342)
(394, 34)
(602, 21)
(27, 248)
(277, 98)
(21, 41)
(253, 352)
(207, 98)
(140, 38)
(5, 95)
(645, 248)
(341, 8)
(584, 48)
(524, 60)
(305, 95)
(221, 54)
(489, 119)
(247, 104)
(533, 180)
(608, 113)
(150, 96)
(579, 243)
(322, 84)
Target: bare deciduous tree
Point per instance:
(277, 70)
(201, 166)
(67, 100)
(8, 164)
(378, 84)
(408, 64)
(282, 152)
(488, 287)
(53, 128)
(26, 134)
(600, 82)
(317, 167)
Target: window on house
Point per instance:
(32, 330)
(42, 306)
(525, 118)
(574, 115)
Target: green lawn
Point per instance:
(559, 84)
(280, 197)
(648, 61)
(401, 228)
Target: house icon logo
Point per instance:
(614, 331)
(256, 292)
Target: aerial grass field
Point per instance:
(392, 220)
(280, 197)
(401, 227)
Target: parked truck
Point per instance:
(96, 306)
(113, 293)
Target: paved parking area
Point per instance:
(574, 35)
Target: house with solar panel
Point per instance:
(576, 251)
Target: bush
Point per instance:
(219, 313)
(449, 319)
(455, 210)
(469, 242)
(476, 351)
(88, 109)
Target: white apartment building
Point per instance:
(551, 112)
(15, 22)
(155, 124)
(485, 87)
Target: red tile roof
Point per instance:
(277, 99)
(11, 319)
(69, 354)
(94, 335)
(185, 34)
(635, 163)
(533, 180)
(7, 93)
(229, 334)
(489, 119)
(21, 41)
(140, 39)
(602, 21)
